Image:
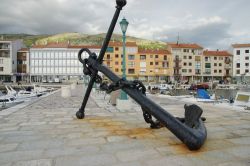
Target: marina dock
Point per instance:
(46, 132)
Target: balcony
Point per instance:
(21, 68)
(177, 60)
(228, 66)
(107, 59)
(177, 66)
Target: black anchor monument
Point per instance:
(190, 129)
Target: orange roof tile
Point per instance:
(151, 51)
(23, 50)
(216, 53)
(183, 45)
(85, 46)
(119, 44)
(241, 45)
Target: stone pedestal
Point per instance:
(123, 104)
(66, 92)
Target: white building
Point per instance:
(241, 61)
(60, 61)
(8, 59)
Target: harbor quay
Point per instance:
(47, 133)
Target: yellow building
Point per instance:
(143, 64)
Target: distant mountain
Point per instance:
(81, 39)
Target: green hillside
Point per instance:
(81, 39)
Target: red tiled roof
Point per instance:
(23, 50)
(119, 44)
(151, 51)
(216, 53)
(85, 46)
(240, 45)
(183, 45)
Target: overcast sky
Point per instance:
(211, 23)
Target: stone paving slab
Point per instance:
(47, 133)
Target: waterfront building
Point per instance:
(8, 59)
(241, 61)
(57, 61)
(23, 65)
(217, 65)
(146, 65)
(187, 62)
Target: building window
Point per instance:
(247, 58)
(1, 61)
(184, 57)
(190, 57)
(190, 64)
(108, 56)
(184, 70)
(110, 49)
(131, 71)
(238, 65)
(117, 48)
(151, 56)
(131, 64)
(237, 52)
(215, 58)
(220, 58)
(1, 68)
(246, 71)
(190, 70)
(131, 57)
(142, 57)
(116, 55)
(220, 64)
(165, 57)
(247, 51)
(220, 71)
(117, 63)
(207, 65)
(215, 64)
(247, 64)
(237, 71)
(156, 63)
(116, 70)
(156, 56)
(215, 71)
(207, 58)
(185, 64)
(185, 50)
(151, 63)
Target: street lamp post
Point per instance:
(124, 25)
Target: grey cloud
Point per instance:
(161, 19)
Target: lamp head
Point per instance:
(124, 25)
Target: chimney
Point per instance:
(217, 50)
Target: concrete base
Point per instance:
(123, 104)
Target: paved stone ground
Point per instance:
(46, 133)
